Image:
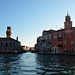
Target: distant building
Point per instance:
(32, 49)
(26, 48)
(10, 45)
(60, 41)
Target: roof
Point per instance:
(61, 30)
(7, 39)
(73, 28)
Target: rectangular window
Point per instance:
(60, 42)
(49, 42)
(64, 34)
(14, 43)
(58, 48)
(1, 44)
(72, 48)
(56, 42)
(46, 37)
(6, 44)
(53, 43)
(10, 44)
(55, 36)
(72, 34)
(1, 48)
(49, 36)
(72, 42)
(64, 42)
(59, 34)
(65, 49)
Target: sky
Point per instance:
(28, 18)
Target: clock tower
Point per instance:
(68, 22)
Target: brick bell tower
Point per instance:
(68, 22)
(8, 32)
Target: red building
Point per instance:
(62, 41)
(65, 38)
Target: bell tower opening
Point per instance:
(68, 22)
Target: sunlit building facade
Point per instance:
(10, 45)
(60, 41)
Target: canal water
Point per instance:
(36, 64)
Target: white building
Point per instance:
(10, 45)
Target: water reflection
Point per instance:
(18, 64)
(36, 64)
(56, 64)
(6, 63)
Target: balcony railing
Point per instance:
(60, 38)
(43, 40)
(60, 45)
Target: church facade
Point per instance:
(58, 41)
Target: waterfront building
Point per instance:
(58, 41)
(26, 48)
(32, 50)
(10, 45)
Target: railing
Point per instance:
(60, 38)
(60, 45)
(43, 40)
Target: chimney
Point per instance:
(17, 38)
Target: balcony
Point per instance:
(43, 40)
(60, 45)
(60, 38)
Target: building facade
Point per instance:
(10, 45)
(60, 41)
